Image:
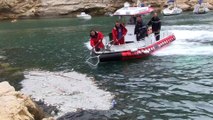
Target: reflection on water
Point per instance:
(174, 83)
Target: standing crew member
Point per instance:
(96, 40)
(118, 33)
(140, 29)
(156, 25)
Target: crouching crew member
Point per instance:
(96, 39)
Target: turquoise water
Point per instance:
(174, 83)
(49, 44)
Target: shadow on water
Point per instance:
(11, 74)
(86, 115)
(49, 110)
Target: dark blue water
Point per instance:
(174, 83)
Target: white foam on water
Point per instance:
(189, 42)
(87, 44)
(192, 34)
(68, 91)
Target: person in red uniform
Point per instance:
(118, 33)
(96, 38)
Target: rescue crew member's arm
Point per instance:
(114, 35)
(100, 37)
(92, 42)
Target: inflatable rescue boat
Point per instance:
(132, 49)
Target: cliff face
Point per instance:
(31, 8)
(64, 7)
(17, 8)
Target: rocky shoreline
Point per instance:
(16, 106)
(12, 9)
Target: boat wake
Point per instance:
(66, 91)
(190, 40)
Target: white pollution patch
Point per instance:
(68, 91)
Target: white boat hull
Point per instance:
(83, 15)
(173, 11)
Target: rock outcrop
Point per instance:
(37, 8)
(186, 5)
(17, 8)
(16, 106)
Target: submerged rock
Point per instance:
(85, 115)
(16, 106)
(49, 110)
(11, 74)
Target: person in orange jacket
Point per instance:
(96, 39)
(118, 33)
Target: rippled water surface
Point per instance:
(175, 83)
